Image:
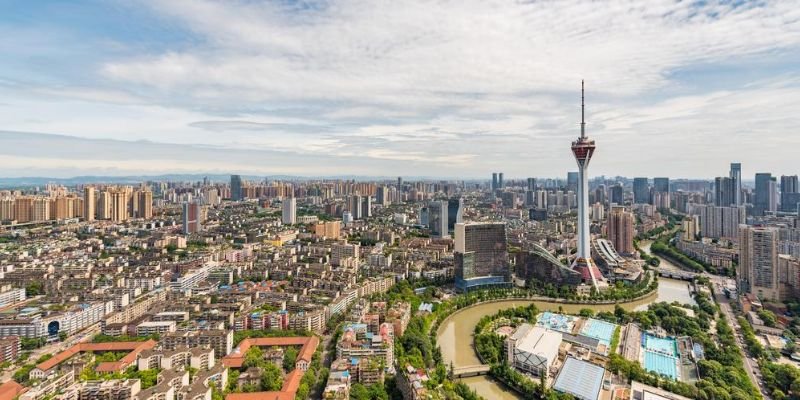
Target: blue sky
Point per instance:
(425, 88)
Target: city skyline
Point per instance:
(678, 90)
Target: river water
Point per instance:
(455, 334)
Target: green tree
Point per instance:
(271, 379)
(289, 358)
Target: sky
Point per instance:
(456, 88)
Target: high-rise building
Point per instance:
(583, 149)
(366, 206)
(355, 207)
(758, 261)
(572, 181)
(617, 194)
(765, 197)
(790, 193)
(119, 205)
(236, 188)
(661, 185)
(104, 205)
(192, 218)
(437, 219)
(641, 191)
(481, 255)
(724, 195)
(89, 203)
(495, 184)
(144, 201)
(382, 196)
(455, 212)
(399, 183)
(531, 184)
(500, 183)
(736, 183)
(720, 222)
(289, 214)
(600, 195)
(620, 230)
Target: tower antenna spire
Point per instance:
(583, 122)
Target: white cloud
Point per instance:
(478, 84)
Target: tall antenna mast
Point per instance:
(583, 123)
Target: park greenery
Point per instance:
(722, 371)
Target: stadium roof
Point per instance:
(580, 379)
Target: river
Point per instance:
(455, 334)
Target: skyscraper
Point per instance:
(455, 212)
(641, 191)
(724, 188)
(661, 185)
(620, 230)
(236, 188)
(583, 149)
(144, 204)
(500, 180)
(736, 183)
(494, 181)
(572, 181)
(758, 258)
(289, 214)
(89, 203)
(617, 194)
(481, 255)
(790, 193)
(192, 218)
(119, 205)
(437, 219)
(765, 197)
(531, 184)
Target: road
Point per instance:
(750, 365)
(54, 348)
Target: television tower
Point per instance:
(583, 149)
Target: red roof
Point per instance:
(292, 380)
(10, 390)
(134, 349)
(309, 343)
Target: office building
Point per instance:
(289, 214)
(790, 193)
(724, 192)
(758, 261)
(531, 184)
(382, 196)
(89, 203)
(621, 230)
(765, 196)
(500, 183)
(236, 188)
(495, 184)
(438, 219)
(481, 255)
(661, 185)
(617, 195)
(455, 212)
(572, 181)
(641, 191)
(192, 218)
(736, 183)
(355, 207)
(583, 149)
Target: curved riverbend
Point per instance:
(454, 335)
